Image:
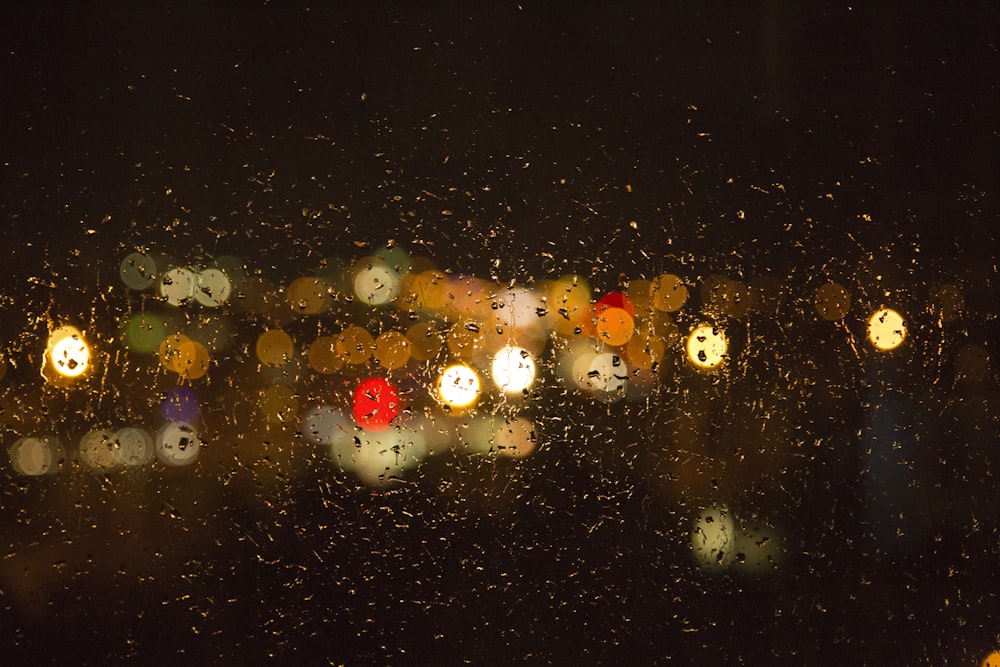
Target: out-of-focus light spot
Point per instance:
(143, 332)
(309, 296)
(948, 302)
(569, 303)
(274, 348)
(133, 447)
(426, 340)
(645, 348)
(323, 357)
(992, 660)
(886, 329)
(279, 404)
(392, 349)
(192, 360)
(513, 369)
(97, 451)
(355, 345)
(606, 373)
(381, 458)
(639, 293)
(832, 301)
(36, 456)
(458, 387)
(668, 293)
(758, 548)
(375, 282)
(516, 438)
(177, 444)
(376, 403)
(138, 271)
(169, 351)
(713, 538)
(178, 285)
(181, 405)
(325, 425)
(616, 300)
(212, 288)
(67, 354)
(723, 296)
(3, 364)
(707, 347)
(615, 326)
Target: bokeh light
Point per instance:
(133, 446)
(458, 386)
(707, 347)
(376, 403)
(98, 451)
(668, 293)
(274, 348)
(516, 438)
(513, 369)
(832, 301)
(177, 444)
(375, 282)
(886, 329)
(212, 288)
(713, 538)
(178, 285)
(36, 456)
(68, 354)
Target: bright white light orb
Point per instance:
(68, 354)
(513, 369)
(707, 347)
(377, 284)
(458, 386)
(886, 329)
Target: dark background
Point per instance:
(798, 143)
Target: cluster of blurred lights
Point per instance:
(466, 328)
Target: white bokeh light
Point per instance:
(177, 444)
(377, 283)
(513, 369)
(458, 386)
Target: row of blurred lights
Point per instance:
(606, 347)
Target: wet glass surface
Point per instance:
(558, 334)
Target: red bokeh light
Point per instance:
(376, 403)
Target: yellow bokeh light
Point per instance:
(67, 354)
(275, 348)
(707, 347)
(392, 349)
(458, 386)
(992, 660)
(886, 329)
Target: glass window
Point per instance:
(571, 334)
